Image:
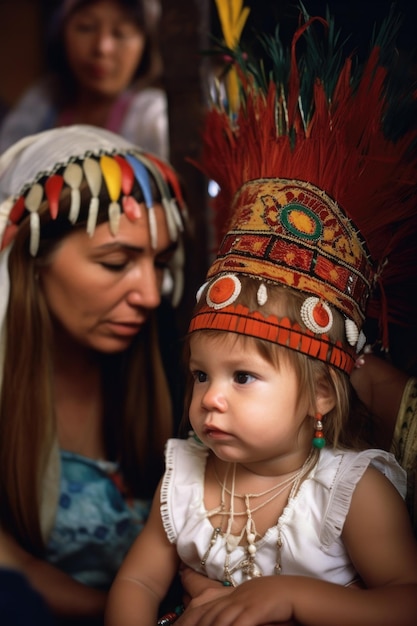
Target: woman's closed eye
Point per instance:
(114, 266)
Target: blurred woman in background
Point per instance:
(103, 69)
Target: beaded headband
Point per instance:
(314, 194)
(39, 168)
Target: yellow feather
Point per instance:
(112, 176)
(232, 16)
(233, 90)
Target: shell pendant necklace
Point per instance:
(248, 566)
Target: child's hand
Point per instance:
(199, 589)
(254, 603)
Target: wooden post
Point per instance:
(184, 32)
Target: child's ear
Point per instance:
(325, 396)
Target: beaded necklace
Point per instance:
(249, 567)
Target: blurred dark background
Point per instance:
(23, 27)
(187, 27)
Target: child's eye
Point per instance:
(242, 378)
(199, 376)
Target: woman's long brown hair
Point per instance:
(138, 411)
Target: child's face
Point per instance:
(243, 407)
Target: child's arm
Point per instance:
(144, 576)
(379, 539)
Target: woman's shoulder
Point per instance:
(149, 103)
(148, 97)
(33, 113)
(145, 120)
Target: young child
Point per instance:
(273, 492)
(253, 492)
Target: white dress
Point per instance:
(310, 526)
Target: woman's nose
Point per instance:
(145, 289)
(105, 41)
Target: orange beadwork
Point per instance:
(239, 319)
(320, 315)
(222, 290)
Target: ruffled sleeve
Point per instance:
(341, 484)
(182, 484)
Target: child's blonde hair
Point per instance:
(341, 426)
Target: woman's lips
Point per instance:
(124, 328)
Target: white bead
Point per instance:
(251, 549)
(352, 332)
(262, 295)
(251, 537)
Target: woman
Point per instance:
(102, 71)
(91, 235)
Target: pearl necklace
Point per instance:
(248, 565)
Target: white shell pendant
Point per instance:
(352, 332)
(35, 233)
(262, 295)
(32, 203)
(93, 176)
(73, 176)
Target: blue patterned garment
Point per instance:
(95, 523)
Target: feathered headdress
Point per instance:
(318, 182)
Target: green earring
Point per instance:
(318, 440)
